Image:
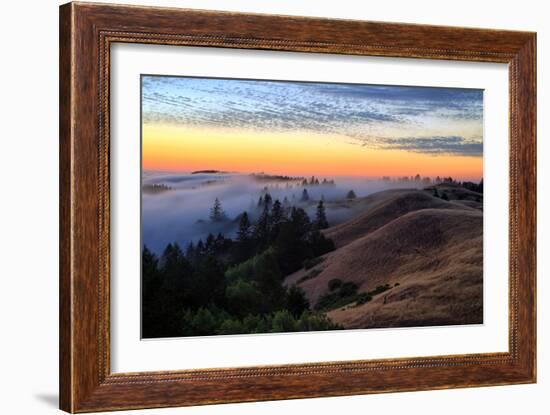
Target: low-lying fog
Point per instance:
(176, 208)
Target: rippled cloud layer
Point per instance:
(418, 119)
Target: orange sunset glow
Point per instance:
(301, 128)
(182, 149)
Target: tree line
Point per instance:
(231, 286)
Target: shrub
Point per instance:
(283, 321)
(231, 327)
(343, 294)
(363, 298)
(311, 321)
(334, 283)
(380, 289)
(255, 324)
(296, 301)
(242, 297)
(347, 289)
(200, 323)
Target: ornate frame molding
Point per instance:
(87, 32)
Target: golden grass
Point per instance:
(432, 248)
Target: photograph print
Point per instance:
(272, 206)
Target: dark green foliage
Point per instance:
(208, 283)
(210, 321)
(261, 233)
(380, 289)
(244, 246)
(444, 196)
(151, 277)
(277, 218)
(292, 245)
(363, 298)
(269, 279)
(296, 301)
(310, 321)
(320, 244)
(151, 286)
(221, 286)
(230, 326)
(283, 322)
(347, 289)
(242, 298)
(342, 294)
(199, 323)
(164, 287)
(256, 324)
(334, 284)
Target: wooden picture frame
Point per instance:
(86, 33)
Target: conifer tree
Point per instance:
(321, 217)
(190, 251)
(305, 196)
(261, 230)
(199, 251)
(209, 245)
(351, 195)
(268, 201)
(276, 213)
(216, 213)
(243, 234)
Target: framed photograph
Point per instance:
(260, 207)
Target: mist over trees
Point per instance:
(351, 195)
(181, 212)
(216, 213)
(226, 275)
(231, 286)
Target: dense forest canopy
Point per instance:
(231, 286)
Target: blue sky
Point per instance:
(416, 119)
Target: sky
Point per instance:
(306, 128)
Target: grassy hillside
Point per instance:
(411, 259)
(381, 208)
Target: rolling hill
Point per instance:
(426, 253)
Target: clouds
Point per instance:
(404, 118)
(453, 145)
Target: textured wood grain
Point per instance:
(65, 246)
(86, 33)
